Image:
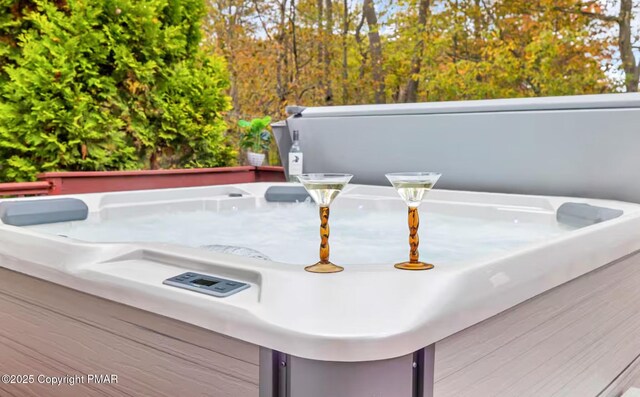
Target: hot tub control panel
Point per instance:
(204, 284)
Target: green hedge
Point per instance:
(107, 85)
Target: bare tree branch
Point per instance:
(264, 25)
(581, 11)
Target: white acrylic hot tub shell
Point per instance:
(367, 312)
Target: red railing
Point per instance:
(54, 183)
(25, 188)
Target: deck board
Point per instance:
(572, 341)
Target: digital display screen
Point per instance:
(204, 282)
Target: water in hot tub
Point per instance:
(290, 233)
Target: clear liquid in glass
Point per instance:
(412, 192)
(323, 193)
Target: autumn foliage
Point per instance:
(332, 52)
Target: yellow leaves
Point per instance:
(528, 23)
(134, 86)
(592, 8)
(500, 49)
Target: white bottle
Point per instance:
(295, 158)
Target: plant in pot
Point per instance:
(255, 139)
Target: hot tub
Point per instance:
(526, 298)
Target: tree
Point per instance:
(375, 44)
(524, 49)
(106, 84)
(411, 89)
(345, 49)
(322, 52)
(226, 21)
(327, 55)
(626, 40)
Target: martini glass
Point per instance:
(323, 189)
(412, 187)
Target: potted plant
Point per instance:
(255, 139)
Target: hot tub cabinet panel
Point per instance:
(52, 330)
(555, 317)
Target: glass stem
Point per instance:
(324, 234)
(414, 240)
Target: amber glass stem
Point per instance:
(324, 234)
(414, 240)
